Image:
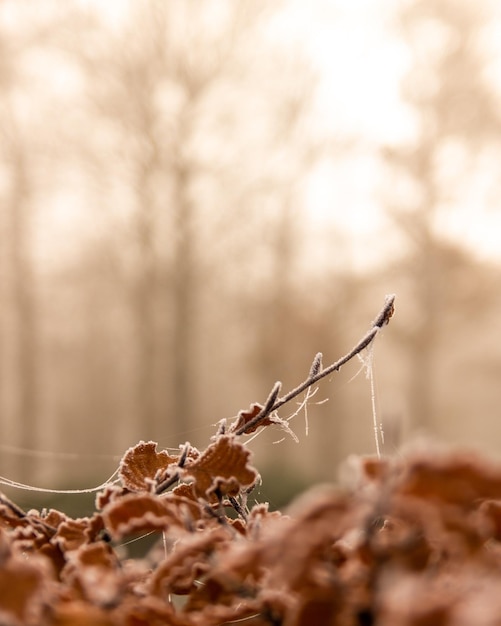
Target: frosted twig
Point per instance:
(317, 372)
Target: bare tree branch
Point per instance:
(317, 372)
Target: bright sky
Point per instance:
(361, 63)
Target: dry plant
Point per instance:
(411, 541)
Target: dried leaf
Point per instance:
(137, 513)
(222, 467)
(81, 613)
(109, 493)
(246, 416)
(188, 561)
(23, 589)
(71, 534)
(94, 572)
(142, 466)
(54, 518)
(149, 611)
(458, 478)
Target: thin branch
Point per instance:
(18, 512)
(381, 320)
(172, 480)
(167, 483)
(238, 507)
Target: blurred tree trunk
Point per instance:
(455, 108)
(189, 113)
(24, 304)
(145, 290)
(278, 317)
(184, 289)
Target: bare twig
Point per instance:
(18, 512)
(172, 480)
(238, 507)
(317, 372)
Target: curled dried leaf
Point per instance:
(71, 534)
(94, 573)
(9, 519)
(183, 500)
(223, 467)
(109, 493)
(23, 588)
(149, 611)
(97, 554)
(188, 561)
(81, 613)
(245, 416)
(54, 518)
(142, 466)
(139, 512)
(459, 478)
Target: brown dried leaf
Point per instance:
(28, 538)
(55, 517)
(259, 516)
(71, 534)
(8, 519)
(109, 493)
(150, 611)
(22, 591)
(245, 416)
(223, 467)
(403, 541)
(415, 600)
(80, 613)
(142, 465)
(318, 606)
(97, 554)
(187, 562)
(94, 572)
(375, 469)
(297, 547)
(239, 525)
(183, 500)
(458, 478)
(183, 490)
(137, 513)
(491, 511)
(245, 611)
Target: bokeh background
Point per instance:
(198, 196)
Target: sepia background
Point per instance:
(198, 196)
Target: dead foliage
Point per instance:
(411, 541)
(407, 541)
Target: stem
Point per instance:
(381, 320)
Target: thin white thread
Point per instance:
(64, 456)
(50, 454)
(7, 482)
(369, 366)
(357, 373)
(164, 542)
(126, 543)
(302, 405)
(242, 619)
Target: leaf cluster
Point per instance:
(413, 540)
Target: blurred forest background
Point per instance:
(196, 197)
